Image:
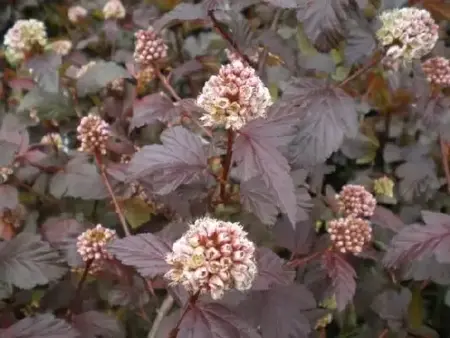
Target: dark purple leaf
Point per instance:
(426, 269)
(14, 139)
(277, 45)
(392, 306)
(269, 310)
(385, 218)
(283, 3)
(323, 21)
(342, 277)
(327, 115)
(186, 69)
(257, 199)
(271, 270)
(80, 179)
(27, 261)
(98, 76)
(44, 69)
(181, 159)
(40, 326)
(61, 233)
(210, 320)
(144, 14)
(417, 241)
(93, 324)
(111, 30)
(256, 153)
(214, 5)
(145, 252)
(298, 240)
(9, 197)
(360, 42)
(133, 295)
(182, 12)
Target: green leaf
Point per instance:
(137, 212)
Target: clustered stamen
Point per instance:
(93, 134)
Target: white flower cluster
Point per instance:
(407, 33)
(61, 47)
(234, 97)
(211, 257)
(93, 133)
(76, 14)
(23, 38)
(114, 9)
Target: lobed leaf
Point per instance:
(271, 270)
(92, 324)
(27, 261)
(9, 197)
(181, 159)
(145, 252)
(182, 12)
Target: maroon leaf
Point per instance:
(93, 324)
(392, 306)
(283, 3)
(80, 179)
(268, 310)
(387, 219)
(277, 45)
(14, 139)
(257, 199)
(256, 153)
(40, 326)
(9, 197)
(327, 115)
(145, 252)
(360, 42)
(342, 277)
(271, 270)
(182, 12)
(186, 69)
(323, 21)
(182, 159)
(298, 240)
(26, 261)
(417, 241)
(208, 320)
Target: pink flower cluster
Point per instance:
(93, 133)
(149, 48)
(407, 33)
(92, 245)
(76, 14)
(355, 200)
(437, 71)
(211, 257)
(234, 97)
(349, 234)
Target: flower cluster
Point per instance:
(61, 47)
(355, 200)
(117, 86)
(53, 139)
(93, 133)
(437, 71)
(383, 186)
(149, 48)
(233, 97)
(76, 14)
(349, 234)
(23, 38)
(211, 257)
(407, 33)
(92, 246)
(5, 172)
(114, 9)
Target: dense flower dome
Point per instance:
(212, 257)
(349, 234)
(93, 133)
(149, 48)
(437, 71)
(114, 9)
(355, 200)
(234, 97)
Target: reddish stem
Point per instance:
(360, 72)
(117, 207)
(444, 154)
(301, 261)
(226, 164)
(383, 333)
(76, 298)
(192, 300)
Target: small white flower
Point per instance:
(114, 9)
(61, 47)
(76, 13)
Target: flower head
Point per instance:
(76, 13)
(233, 97)
(93, 133)
(349, 234)
(24, 37)
(384, 186)
(114, 9)
(149, 48)
(211, 257)
(53, 139)
(437, 71)
(92, 245)
(407, 33)
(355, 200)
(61, 47)
(5, 172)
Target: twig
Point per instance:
(383, 333)
(300, 261)
(273, 27)
(229, 39)
(189, 305)
(444, 155)
(80, 286)
(226, 164)
(164, 309)
(117, 207)
(360, 72)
